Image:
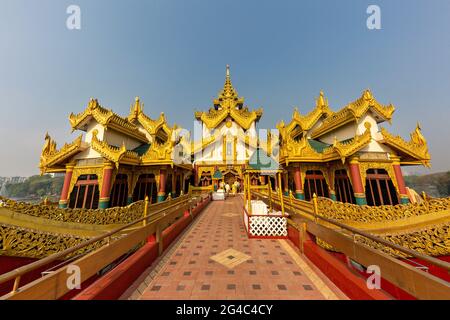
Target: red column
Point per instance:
(162, 185)
(106, 185)
(358, 189)
(63, 202)
(299, 194)
(401, 183)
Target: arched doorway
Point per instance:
(315, 183)
(119, 193)
(379, 188)
(205, 179)
(145, 186)
(343, 187)
(85, 194)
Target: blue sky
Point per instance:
(173, 55)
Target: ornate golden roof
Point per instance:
(228, 103)
(417, 147)
(300, 123)
(156, 128)
(50, 156)
(302, 150)
(156, 153)
(106, 118)
(112, 153)
(353, 112)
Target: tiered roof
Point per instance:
(228, 103)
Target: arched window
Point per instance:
(119, 193)
(85, 194)
(343, 187)
(145, 186)
(205, 179)
(315, 183)
(379, 188)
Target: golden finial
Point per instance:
(228, 91)
(368, 95)
(320, 100)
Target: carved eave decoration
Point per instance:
(294, 151)
(159, 153)
(353, 112)
(416, 148)
(156, 128)
(301, 123)
(112, 153)
(107, 118)
(51, 157)
(229, 104)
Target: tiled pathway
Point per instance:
(214, 259)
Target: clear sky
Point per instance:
(173, 55)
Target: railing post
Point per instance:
(144, 222)
(270, 194)
(316, 207)
(16, 284)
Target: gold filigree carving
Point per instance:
(50, 156)
(354, 111)
(106, 118)
(364, 166)
(416, 148)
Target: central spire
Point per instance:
(228, 91)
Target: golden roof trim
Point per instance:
(417, 147)
(303, 151)
(51, 156)
(230, 105)
(112, 153)
(306, 122)
(106, 118)
(354, 111)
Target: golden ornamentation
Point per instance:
(348, 212)
(433, 241)
(50, 156)
(364, 166)
(353, 112)
(229, 104)
(156, 128)
(312, 167)
(302, 150)
(20, 242)
(348, 148)
(305, 122)
(424, 227)
(106, 118)
(116, 215)
(416, 148)
(112, 153)
(80, 171)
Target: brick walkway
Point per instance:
(214, 259)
